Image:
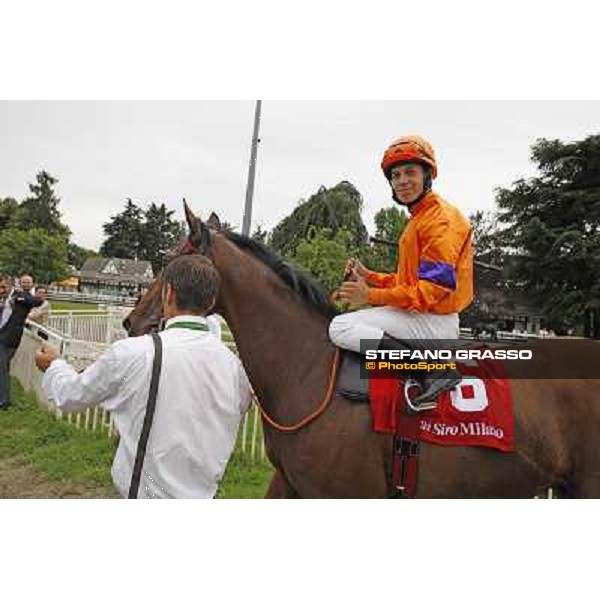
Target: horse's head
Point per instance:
(198, 240)
(148, 312)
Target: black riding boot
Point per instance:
(432, 382)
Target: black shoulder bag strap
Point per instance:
(143, 441)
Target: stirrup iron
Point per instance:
(408, 385)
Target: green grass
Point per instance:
(245, 478)
(33, 437)
(60, 305)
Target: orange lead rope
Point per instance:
(313, 416)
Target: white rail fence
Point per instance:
(88, 297)
(99, 330)
(96, 327)
(76, 352)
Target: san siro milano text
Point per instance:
(462, 429)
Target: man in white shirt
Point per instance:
(214, 325)
(202, 393)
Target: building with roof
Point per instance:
(498, 304)
(115, 276)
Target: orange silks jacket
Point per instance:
(435, 266)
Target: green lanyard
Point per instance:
(188, 325)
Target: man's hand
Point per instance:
(354, 292)
(44, 356)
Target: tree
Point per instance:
(488, 239)
(382, 255)
(329, 209)
(33, 251)
(142, 234)
(40, 209)
(124, 233)
(260, 235)
(324, 256)
(76, 255)
(9, 208)
(553, 232)
(159, 234)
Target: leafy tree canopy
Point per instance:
(40, 209)
(488, 239)
(9, 208)
(76, 255)
(124, 232)
(329, 209)
(142, 234)
(382, 255)
(159, 234)
(324, 256)
(552, 229)
(33, 251)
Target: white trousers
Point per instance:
(348, 329)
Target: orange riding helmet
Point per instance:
(409, 148)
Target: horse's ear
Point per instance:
(214, 221)
(191, 219)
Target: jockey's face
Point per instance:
(407, 181)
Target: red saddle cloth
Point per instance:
(478, 412)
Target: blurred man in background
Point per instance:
(14, 308)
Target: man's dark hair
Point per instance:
(194, 281)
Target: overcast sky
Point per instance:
(104, 152)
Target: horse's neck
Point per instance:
(282, 343)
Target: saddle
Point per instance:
(350, 385)
(477, 413)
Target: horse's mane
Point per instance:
(308, 289)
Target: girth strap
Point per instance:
(405, 463)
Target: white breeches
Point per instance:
(348, 329)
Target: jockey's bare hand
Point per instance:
(354, 292)
(44, 356)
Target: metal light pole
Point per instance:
(251, 172)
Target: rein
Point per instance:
(310, 418)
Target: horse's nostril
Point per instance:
(126, 323)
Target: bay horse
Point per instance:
(279, 319)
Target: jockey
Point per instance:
(434, 281)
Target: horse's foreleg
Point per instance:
(279, 488)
